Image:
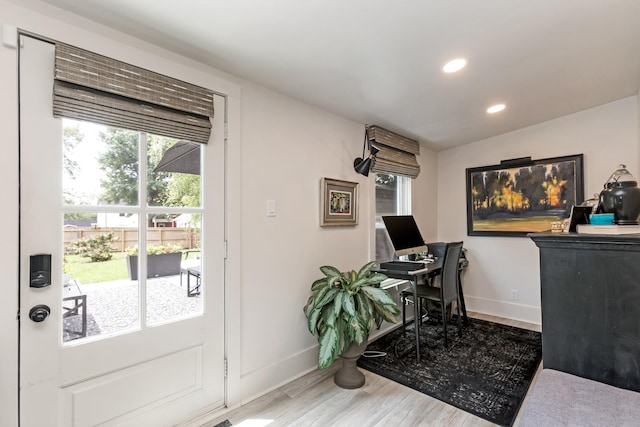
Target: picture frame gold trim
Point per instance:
(515, 198)
(338, 202)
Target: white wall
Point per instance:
(278, 149)
(607, 136)
(424, 191)
(287, 148)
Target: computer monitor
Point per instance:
(404, 234)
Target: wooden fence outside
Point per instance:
(185, 238)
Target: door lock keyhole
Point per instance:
(39, 313)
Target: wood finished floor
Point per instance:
(314, 400)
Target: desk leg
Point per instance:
(417, 317)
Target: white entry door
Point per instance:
(107, 336)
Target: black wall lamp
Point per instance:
(362, 165)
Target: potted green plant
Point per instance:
(341, 312)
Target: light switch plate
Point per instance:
(271, 208)
(9, 36)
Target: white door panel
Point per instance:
(142, 387)
(149, 371)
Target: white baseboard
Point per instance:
(509, 310)
(262, 381)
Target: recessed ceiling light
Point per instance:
(455, 65)
(496, 108)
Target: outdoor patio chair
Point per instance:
(190, 263)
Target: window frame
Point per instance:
(402, 207)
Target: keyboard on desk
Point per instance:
(403, 265)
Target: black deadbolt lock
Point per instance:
(40, 270)
(39, 313)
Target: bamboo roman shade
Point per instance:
(99, 89)
(397, 155)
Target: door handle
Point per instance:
(39, 313)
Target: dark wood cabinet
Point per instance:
(590, 299)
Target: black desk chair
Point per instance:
(437, 249)
(446, 293)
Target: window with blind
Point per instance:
(133, 142)
(397, 155)
(98, 89)
(393, 197)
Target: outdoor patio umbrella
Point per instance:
(182, 157)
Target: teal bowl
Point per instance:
(601, 219)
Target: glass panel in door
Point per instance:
(174, 267)
(175, 278)
(101, 268)
(99, 295)
(100, 176)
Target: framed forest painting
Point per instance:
(517, 198)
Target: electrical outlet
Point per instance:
(514, 295)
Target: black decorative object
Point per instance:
(362, 165)
(519, 161)
(621, 197)
(486, 372)
(521, 196)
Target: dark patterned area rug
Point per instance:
(486, 372)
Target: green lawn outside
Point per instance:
(83, 270)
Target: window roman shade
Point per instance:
(397, 155)
(99, 89)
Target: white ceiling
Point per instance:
(379, 61)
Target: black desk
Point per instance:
(431, 270)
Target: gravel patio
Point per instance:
(113, 306)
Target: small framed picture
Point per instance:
(338, 202)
